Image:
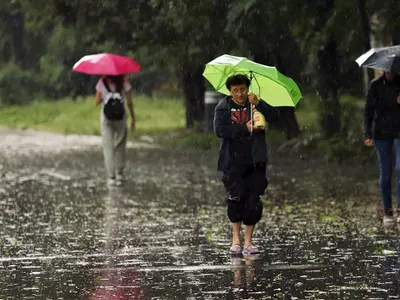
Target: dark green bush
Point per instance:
(18, 86)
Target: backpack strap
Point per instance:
(106, 85)
(109, 90)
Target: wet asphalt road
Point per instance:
(64, 235)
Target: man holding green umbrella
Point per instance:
(243, 158)
(243, 152)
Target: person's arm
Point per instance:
(270, 113)
(129, 103)
(369, 112)
(99, 98)
(224, 128)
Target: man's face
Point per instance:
(239, 93)
(390, 76)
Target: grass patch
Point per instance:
(164, 119)
(155, 115)
(307, 114)
(308, 120)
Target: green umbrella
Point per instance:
(266, 82)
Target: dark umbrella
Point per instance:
(385, 58)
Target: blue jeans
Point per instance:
(384, 150)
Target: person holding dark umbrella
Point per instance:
(382, 121)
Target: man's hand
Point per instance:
(253, 99)
(133, 126)
(398, 99)
(368, 142)
(249, 126)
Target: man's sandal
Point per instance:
(236, 249)
(251, 250)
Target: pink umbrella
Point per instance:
(106, 64)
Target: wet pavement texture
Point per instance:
(165, 235)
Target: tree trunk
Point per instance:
(396, 25)
(328, 88)
(366, 35)
(287, 114)
(193, 90)
(199, 89)
(16, 30)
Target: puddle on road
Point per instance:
(165, 235)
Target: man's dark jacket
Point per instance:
(227, 131)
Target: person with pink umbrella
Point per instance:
(113, 90)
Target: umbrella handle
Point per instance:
(251, 106)
(251, 118)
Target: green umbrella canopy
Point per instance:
(266, 82)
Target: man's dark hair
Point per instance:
(237, 80)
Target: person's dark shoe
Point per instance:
(388, 219)
(111, 182)
(120, 179)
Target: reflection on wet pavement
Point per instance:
(63, 235)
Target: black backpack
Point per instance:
(114, 107)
